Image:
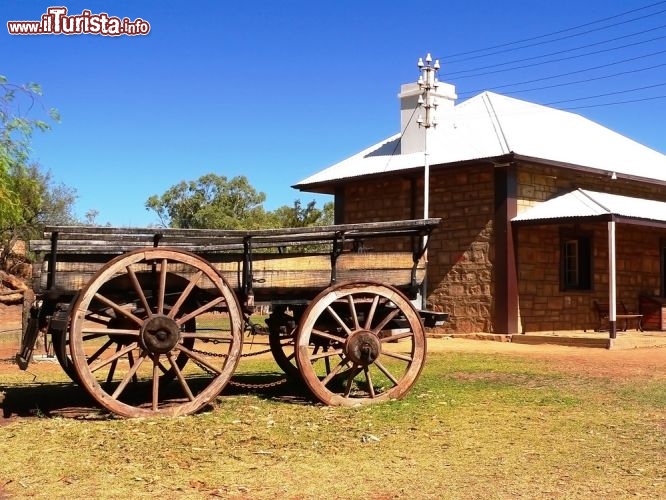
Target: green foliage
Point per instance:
(212, 201)
(299, 216)
(28, 196)
(215, 202)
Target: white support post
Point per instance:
(612, 284)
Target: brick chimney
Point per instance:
(412, 135)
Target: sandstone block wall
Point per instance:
(461, 252)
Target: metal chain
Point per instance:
(246, 385)
(207, 353)
(243, 385)
(267, 385)
(220, 355)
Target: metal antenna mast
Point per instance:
(428, 84)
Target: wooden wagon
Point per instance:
(151, 321)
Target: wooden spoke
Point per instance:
(139, 291)
(200, 311)
(130, 358)
(338, 319)
(93, 336)
(352, 311)
(99, 351)
(386, 320)
(102, 332)
(162, 368)
(156, 382)
(350, 380)
(327, 361)
(161, 289)
(118, 308)
(199, 359)
(185, 294)
(129, 376)
(385, 371)
(386, 374)
(371, 313)
(368, 379)
(398, 336)
(334, 372)
(112, 370)
(117, 298)
(326, 335)
(180, 377)
(397, 355)
(326, 354)
(98, 318)
(93, 367)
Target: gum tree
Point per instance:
(212, 201)
(28, 196)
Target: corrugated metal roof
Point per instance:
(584, 203)
(491, 125)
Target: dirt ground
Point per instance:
(646, 362)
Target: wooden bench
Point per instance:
(622, 316)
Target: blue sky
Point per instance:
(277, 90)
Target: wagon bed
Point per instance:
(150, 321)
(288, 262)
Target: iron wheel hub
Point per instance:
(363, 347)
(160, 334)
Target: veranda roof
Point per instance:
(584, 204)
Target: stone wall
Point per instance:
(459, 252)
(460, 261)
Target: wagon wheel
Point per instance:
(282, 325)
(371, 344)
(136, 325)
(282, 347)
(61, 350)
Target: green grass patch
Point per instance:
(475, 426)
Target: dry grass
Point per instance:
(475, 426)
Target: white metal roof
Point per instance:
(584, 203)
(491, 125)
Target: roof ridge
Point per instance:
(585, 193)
(495, 121)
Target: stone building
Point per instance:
(544, 212)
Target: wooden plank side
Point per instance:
(325, 231)
(79, 237)
(269, 270)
